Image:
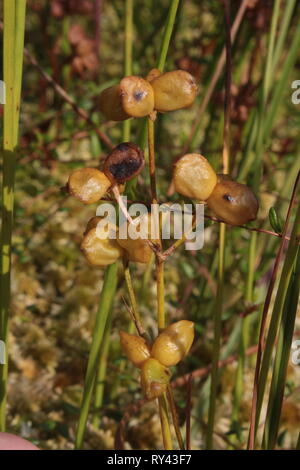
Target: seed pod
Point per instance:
(135, 348)
(137, 249)
(124, 163)
(154, 378)
(92, 223)
(174, 90)
(132, 97)
(194, 177)
(100, 251)
(88, 185)
(154, 73)
(233, 202)
(137, 96)
(173, 343)
(110, 104)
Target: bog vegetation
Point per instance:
(141, 344)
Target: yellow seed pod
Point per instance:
(110, 104)
(154, 378)
(233, 202)
(100, 251)
(132, 97)
(173, 343)
(194, 177)
(137, 249)
(88, 185)
(154, 73)
(135, 348)
(174, 90)
(92, 223)
(137, 96)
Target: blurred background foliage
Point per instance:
(55, 292)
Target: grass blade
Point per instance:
(282, 358)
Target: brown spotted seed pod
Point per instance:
(123, 163)
(233, 202)
(132, 97)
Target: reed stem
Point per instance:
(13, 46)
(105, 303)
(128, 58)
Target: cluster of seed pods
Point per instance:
(169, 348)
(138, 97)
(232, 202)
(193, 177)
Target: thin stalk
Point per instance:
(218, 311)
(101, 374)
(164, 420)
(13, 46)
(152, 166)
(128, 58)
(217, 339)
(167, 34)
(175, 417)
(244, 339)
(135, 312)
(282, 359)
(105, 303)
(269, 63)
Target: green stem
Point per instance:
(164, 420)
(105, 303)
(244, 339)
(101, 374)
(128, 58)
(13, 46)
(167, 35)
(133, 303)
(217, 339)
(172, 406)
